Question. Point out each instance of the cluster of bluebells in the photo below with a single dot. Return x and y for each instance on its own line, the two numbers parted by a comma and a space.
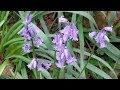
63, 55
101, 37
36, 63
29, 33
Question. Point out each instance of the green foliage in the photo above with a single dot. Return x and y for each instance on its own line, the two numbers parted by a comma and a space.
99, 66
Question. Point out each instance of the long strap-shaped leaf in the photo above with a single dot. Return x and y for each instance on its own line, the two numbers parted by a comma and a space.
97, 58
81, 41
2, 67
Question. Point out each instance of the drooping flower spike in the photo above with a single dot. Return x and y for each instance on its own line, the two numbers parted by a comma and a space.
63, 55
37, 63
70, 31
29, 33
101, 37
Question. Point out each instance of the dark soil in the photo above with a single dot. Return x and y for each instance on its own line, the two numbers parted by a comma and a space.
49, 18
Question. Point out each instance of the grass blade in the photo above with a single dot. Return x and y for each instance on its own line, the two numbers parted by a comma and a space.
99, 59
81, 41
46, 74
2, 67
98, 71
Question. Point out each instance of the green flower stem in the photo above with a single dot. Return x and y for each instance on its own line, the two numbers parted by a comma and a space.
116, 63
99, 65
54, 58
33, 47
34, 54
88, 59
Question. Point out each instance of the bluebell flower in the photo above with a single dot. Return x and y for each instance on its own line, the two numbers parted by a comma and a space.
39, 66
108, 28
71, 60
66, 30
63, 20
38, 41
32, 64
47, 65
64, 55
37, 63
21, 32
68, 57
73, 32
27, 48
59, 48
101, 37
30, 33
60, 55
70, 31
92, 34
24, 32
60, 63
58, 39
29, 19
66, 33
102, 44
